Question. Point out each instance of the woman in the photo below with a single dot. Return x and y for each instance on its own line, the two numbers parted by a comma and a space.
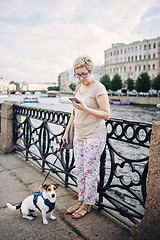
90, 133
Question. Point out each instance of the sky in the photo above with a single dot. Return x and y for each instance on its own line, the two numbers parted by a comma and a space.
39, 39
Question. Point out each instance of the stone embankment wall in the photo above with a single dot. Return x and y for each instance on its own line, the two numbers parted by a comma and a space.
139, 100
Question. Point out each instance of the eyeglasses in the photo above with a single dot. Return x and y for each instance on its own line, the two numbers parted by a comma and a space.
83, 75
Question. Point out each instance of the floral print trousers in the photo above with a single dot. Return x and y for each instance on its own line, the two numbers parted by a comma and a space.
87, 153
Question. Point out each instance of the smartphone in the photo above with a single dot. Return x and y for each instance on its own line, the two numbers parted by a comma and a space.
74, 99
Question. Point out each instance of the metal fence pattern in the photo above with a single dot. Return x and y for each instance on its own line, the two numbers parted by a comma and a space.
123, 171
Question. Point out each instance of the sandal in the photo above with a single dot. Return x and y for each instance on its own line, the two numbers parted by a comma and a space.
74, 208
82, 211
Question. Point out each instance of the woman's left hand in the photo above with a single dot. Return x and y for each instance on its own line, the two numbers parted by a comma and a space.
80, 106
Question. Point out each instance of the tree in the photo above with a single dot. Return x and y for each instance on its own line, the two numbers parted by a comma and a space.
105, 80
73, 86
116, 83
143, 82
15, 83
156, 83
130, 84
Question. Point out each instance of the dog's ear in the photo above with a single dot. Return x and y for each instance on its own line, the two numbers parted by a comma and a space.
45, 186
56, 186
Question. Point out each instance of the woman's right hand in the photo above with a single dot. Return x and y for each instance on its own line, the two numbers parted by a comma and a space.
65, 137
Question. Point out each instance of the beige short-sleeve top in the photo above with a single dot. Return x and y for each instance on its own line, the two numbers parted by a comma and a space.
87, 125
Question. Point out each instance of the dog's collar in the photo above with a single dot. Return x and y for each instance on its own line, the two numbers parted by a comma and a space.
46, 201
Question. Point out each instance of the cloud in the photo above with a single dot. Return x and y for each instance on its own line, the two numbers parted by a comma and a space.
39, 39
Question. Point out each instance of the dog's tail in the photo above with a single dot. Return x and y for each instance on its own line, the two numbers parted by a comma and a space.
13, 208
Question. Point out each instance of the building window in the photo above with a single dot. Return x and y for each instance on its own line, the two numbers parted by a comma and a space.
154, 45
124, 69
132, 58
136, 48
140, 57
139, 68
111, 53
135, 68
132, 49
144, 57
140, 47
144, 67
135, 58
125, 50
148, 67
149, 56
145, 47
121, 51
114, 52
110, 70
128, 59
149, 46
117, 52
128, 49
153, 66
130, 68
154, 55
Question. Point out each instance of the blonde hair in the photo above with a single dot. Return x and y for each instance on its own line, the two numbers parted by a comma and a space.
84, 61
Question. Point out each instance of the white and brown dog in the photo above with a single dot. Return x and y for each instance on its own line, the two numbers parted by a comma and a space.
39, 201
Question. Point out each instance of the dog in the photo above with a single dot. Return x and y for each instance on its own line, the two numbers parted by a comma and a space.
43, 202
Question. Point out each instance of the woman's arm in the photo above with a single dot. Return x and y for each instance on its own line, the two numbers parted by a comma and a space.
65, 136
104, 107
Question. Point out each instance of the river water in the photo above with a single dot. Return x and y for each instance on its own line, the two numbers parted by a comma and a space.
138, 113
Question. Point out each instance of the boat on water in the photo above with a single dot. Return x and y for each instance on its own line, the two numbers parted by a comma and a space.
119, 102
30, 100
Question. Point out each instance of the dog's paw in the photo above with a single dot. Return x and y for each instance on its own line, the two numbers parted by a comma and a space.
28, 217
52, 217
45, 221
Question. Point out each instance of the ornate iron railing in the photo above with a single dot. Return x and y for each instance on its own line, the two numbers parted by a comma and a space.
123, 167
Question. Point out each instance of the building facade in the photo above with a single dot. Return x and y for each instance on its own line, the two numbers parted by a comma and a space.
130, 60
36, 86
6, 87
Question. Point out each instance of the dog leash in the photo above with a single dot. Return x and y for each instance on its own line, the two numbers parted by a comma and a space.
44, 180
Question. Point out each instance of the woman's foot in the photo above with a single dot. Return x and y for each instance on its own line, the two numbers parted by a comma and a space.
74, 208
82, 211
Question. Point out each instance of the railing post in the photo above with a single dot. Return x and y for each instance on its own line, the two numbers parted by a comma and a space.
6, 137
67, 165
149, 227
102, 175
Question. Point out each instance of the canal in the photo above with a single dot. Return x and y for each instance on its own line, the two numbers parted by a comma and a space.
139, 113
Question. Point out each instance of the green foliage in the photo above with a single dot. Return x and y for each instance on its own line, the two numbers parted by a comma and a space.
16, 83
156, 83
53, 88
143, 82
73, 86
105, 80
116, 83
130, 84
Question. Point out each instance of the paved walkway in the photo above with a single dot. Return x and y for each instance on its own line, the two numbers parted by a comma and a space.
18, 179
